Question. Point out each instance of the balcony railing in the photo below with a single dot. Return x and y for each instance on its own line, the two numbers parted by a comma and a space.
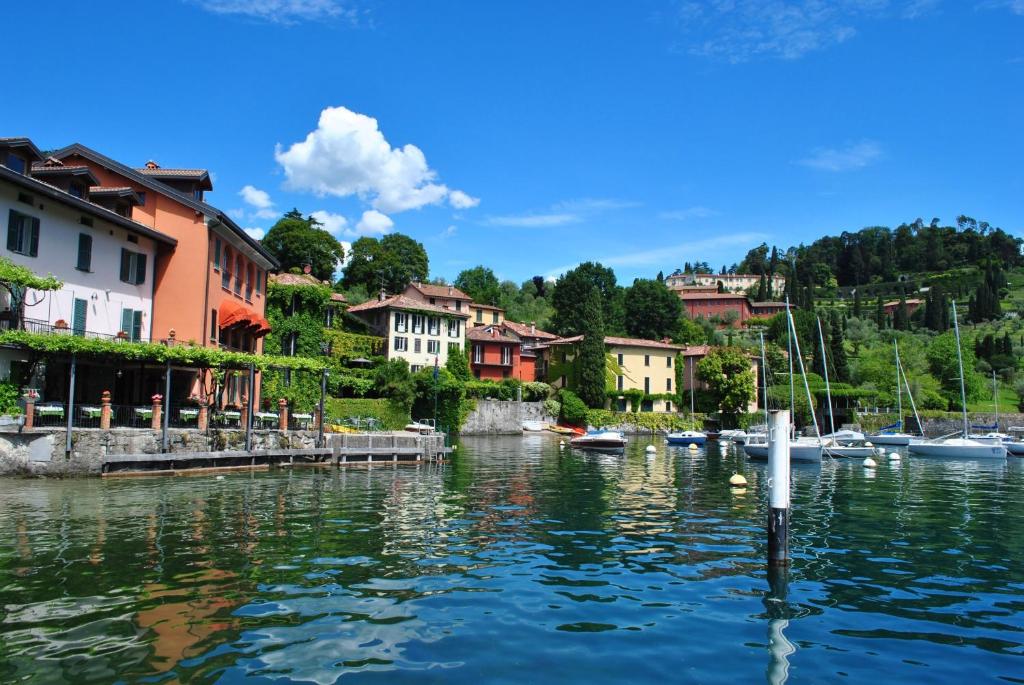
39, 326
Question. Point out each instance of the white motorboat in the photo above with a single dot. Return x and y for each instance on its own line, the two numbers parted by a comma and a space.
990, 438
851, 451
895, 439
844, 437
733, 434
600, 441
534, 426
798, 451
1014, 447
962, 447
421, 426
687, 438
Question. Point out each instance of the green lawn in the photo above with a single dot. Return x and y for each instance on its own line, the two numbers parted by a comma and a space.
1007, 402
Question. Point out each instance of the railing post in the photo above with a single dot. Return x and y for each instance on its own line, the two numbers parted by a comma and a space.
282, 414
203, 417
247, 411
71, 407
778, 488
167, 413
30, 412
105, 410
157, 419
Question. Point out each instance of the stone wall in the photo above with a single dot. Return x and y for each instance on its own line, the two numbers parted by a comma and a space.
500, 417
952, 423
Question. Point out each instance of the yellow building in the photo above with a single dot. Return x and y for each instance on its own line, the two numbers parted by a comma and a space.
633, 364
485, 315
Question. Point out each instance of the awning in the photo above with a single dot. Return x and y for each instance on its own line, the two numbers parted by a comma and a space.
234, 314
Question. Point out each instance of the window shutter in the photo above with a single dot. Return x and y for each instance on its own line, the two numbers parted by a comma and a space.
84, 251
137, 325
125, 265
126, 321
13, 229
78, 318
140, 269
33, 246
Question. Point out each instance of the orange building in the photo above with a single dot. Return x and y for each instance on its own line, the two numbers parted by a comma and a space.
210, 290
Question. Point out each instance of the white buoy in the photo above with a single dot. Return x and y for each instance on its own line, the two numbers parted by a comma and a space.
894, 456
737, 481
651, 449
869, 463
692, 447
880, 450
220, 478
561, 444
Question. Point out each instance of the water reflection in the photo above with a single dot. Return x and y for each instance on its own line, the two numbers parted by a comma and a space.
517, 561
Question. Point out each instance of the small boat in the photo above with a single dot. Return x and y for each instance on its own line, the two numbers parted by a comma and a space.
798, 451
990, 438
957, 448
686, 438
1014, 447
844, 437
421, 426
895, 439
733, 434
534, 426
852, 451
561, 430
600, 441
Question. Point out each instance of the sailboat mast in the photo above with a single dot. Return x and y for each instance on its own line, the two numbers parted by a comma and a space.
995, 394
900, 371
789, 345
764, 380
899, 388
692, 389
960, 362
803, 372
828, 390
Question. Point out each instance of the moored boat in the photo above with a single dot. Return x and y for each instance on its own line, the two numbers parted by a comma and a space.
895, 439
798, 452
600, 440
534, 426
686, 438
956, 448
421, 426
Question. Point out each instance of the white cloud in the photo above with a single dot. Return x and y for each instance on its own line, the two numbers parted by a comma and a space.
688, 213
265, 214
347, 246
532, 220
449, 232
256, 233
373, 222
283, 11
335, 224
255, 197
348, 155
853, 156
461, 200
592, 204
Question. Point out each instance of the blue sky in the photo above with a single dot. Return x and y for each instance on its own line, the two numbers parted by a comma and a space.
532, 136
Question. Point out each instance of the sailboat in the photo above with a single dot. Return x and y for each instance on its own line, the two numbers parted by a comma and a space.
802, 450
832, 443
993, 436
962, 447
898, 438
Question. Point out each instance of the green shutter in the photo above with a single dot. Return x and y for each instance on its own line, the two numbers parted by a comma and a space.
33, 244
13, 231
140, 269
84, 251
126, 321
126, 265
78, 319
137, 325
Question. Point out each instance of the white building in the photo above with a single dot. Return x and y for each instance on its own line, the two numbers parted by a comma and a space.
105, 260
418, 332
733, 283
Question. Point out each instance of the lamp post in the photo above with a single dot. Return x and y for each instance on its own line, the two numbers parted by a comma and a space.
437, 372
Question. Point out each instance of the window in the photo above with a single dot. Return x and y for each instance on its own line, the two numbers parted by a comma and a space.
213, 325
647, 360
417, 345
259, 281
400, 322
478, 354
124, 210
416, 367
620, 359
225, 276
668, 362
78, 317
401, 344
619, 383
76, 189
453, 348
453, 328
133, 267
238, 274
417, 323
85, 220
647, 386
668, 406
142, 197
23, 234
433, 347
328, 317
289, 344
248, 283
216, 254
434, 325
15, 163
668, 385
198, 194
131, 323
84, 252
458, 305
479, 316
433, 300
26, 198
494, 317
506, 355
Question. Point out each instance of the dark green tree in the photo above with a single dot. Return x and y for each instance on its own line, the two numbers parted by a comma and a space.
652, 311
296, 240
458, 365
857, 312
880, 313
837, 347
591, 360
570, 291
728, 373
901, 319
481, 284
392, 262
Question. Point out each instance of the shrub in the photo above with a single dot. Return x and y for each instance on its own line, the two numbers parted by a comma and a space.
391, 415
574, 412
553, 407
9, 396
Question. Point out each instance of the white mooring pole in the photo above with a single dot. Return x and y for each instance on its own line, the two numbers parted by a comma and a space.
778, 488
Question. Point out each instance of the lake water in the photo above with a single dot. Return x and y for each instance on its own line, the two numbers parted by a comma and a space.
516, 562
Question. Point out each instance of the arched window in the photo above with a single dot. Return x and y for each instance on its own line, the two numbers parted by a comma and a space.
238, 274
225, 272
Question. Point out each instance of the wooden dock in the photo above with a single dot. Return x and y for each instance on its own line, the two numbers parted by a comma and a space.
342, 449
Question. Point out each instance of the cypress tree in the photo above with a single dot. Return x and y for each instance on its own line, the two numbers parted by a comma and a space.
761, 292
856, 303
591, 360
837, 346
880, 313
901, 320
817, 354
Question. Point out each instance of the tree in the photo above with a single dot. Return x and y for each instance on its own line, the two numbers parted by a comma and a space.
480, 283
591, 383
394, 381
860, 332
901, 319
689, 332
540, 285
837, 347
458, 365
652, 311
573, 287
942, 361
857, 303
880, 313
728, 375
392, 262
295, 241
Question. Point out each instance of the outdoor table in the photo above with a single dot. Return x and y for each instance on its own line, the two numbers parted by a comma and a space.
303, 419
226, 416
264, 417
188, 414
144, 412
90, 412
50, 410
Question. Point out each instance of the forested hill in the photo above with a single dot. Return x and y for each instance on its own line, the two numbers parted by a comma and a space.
880, 254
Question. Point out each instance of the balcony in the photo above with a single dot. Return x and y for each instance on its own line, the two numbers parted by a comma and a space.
38, 326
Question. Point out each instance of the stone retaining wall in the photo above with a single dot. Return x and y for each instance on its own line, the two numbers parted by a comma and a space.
500, 417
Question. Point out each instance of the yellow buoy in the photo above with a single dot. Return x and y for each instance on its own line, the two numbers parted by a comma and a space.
692, 447
737, 481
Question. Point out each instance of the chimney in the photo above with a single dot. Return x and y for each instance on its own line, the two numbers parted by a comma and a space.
307, 268
382, 296
449, 290
533, 327
152, 165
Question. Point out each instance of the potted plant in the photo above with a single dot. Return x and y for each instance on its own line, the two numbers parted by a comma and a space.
121, 336
61, 325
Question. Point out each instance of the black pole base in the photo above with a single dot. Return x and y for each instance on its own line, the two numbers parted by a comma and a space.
778, 537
